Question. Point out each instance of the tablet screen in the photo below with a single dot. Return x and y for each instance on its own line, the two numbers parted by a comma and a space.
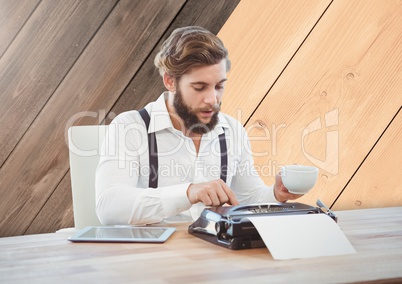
123, 234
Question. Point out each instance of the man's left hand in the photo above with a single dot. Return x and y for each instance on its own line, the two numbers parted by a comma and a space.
281, 192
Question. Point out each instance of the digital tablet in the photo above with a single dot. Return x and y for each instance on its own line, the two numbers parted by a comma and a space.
126, 234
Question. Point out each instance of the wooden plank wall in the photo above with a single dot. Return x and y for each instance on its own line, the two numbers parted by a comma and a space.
320, 83
62, 58
314, 82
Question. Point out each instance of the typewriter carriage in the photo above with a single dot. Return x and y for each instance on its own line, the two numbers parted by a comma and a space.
229, 227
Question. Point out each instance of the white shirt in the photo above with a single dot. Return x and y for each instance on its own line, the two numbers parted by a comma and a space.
122, 192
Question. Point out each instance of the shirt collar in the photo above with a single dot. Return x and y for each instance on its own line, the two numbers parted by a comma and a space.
159, 114
160, 118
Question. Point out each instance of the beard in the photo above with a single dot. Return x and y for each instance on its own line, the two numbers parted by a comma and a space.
189, 116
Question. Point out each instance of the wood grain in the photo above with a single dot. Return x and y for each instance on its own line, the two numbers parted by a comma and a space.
376, 234
334, 66
39, 58
96, 79
144, 87
57, 212
13, 15
262, 37
377, 183
335, 98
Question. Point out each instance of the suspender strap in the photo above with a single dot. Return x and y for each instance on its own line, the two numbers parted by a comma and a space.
224, 156
152, 150
153, 153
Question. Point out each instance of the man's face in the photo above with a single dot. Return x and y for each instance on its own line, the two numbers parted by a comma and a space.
198, 97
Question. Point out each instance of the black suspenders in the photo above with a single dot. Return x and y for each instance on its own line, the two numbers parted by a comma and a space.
153, 153
224, 156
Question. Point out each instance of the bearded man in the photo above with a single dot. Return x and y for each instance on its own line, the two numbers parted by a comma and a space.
179, 153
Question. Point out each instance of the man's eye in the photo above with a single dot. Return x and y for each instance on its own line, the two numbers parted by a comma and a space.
219, 87
199, 89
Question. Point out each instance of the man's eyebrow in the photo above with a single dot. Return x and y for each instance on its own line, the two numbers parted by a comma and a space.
205, 83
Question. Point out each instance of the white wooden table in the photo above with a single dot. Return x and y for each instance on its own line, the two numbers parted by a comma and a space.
376, 234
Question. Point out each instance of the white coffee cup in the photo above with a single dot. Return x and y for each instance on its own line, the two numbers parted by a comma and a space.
299, 179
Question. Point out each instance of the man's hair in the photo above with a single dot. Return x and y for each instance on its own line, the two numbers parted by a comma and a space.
187, 48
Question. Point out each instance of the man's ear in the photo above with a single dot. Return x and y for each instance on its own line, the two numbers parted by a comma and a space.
169, 82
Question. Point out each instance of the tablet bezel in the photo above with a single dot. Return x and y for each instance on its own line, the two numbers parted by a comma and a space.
78, 237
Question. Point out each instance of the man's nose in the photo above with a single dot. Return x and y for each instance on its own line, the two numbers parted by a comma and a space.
211, 97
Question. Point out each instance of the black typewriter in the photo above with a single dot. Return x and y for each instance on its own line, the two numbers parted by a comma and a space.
229, 227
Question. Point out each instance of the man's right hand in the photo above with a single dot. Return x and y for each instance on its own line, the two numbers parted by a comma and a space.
211, 193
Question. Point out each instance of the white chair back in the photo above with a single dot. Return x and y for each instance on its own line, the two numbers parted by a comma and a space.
84, 146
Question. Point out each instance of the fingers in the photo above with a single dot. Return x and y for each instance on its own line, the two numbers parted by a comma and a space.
282, 194
232, 200
213, 193
291, 196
